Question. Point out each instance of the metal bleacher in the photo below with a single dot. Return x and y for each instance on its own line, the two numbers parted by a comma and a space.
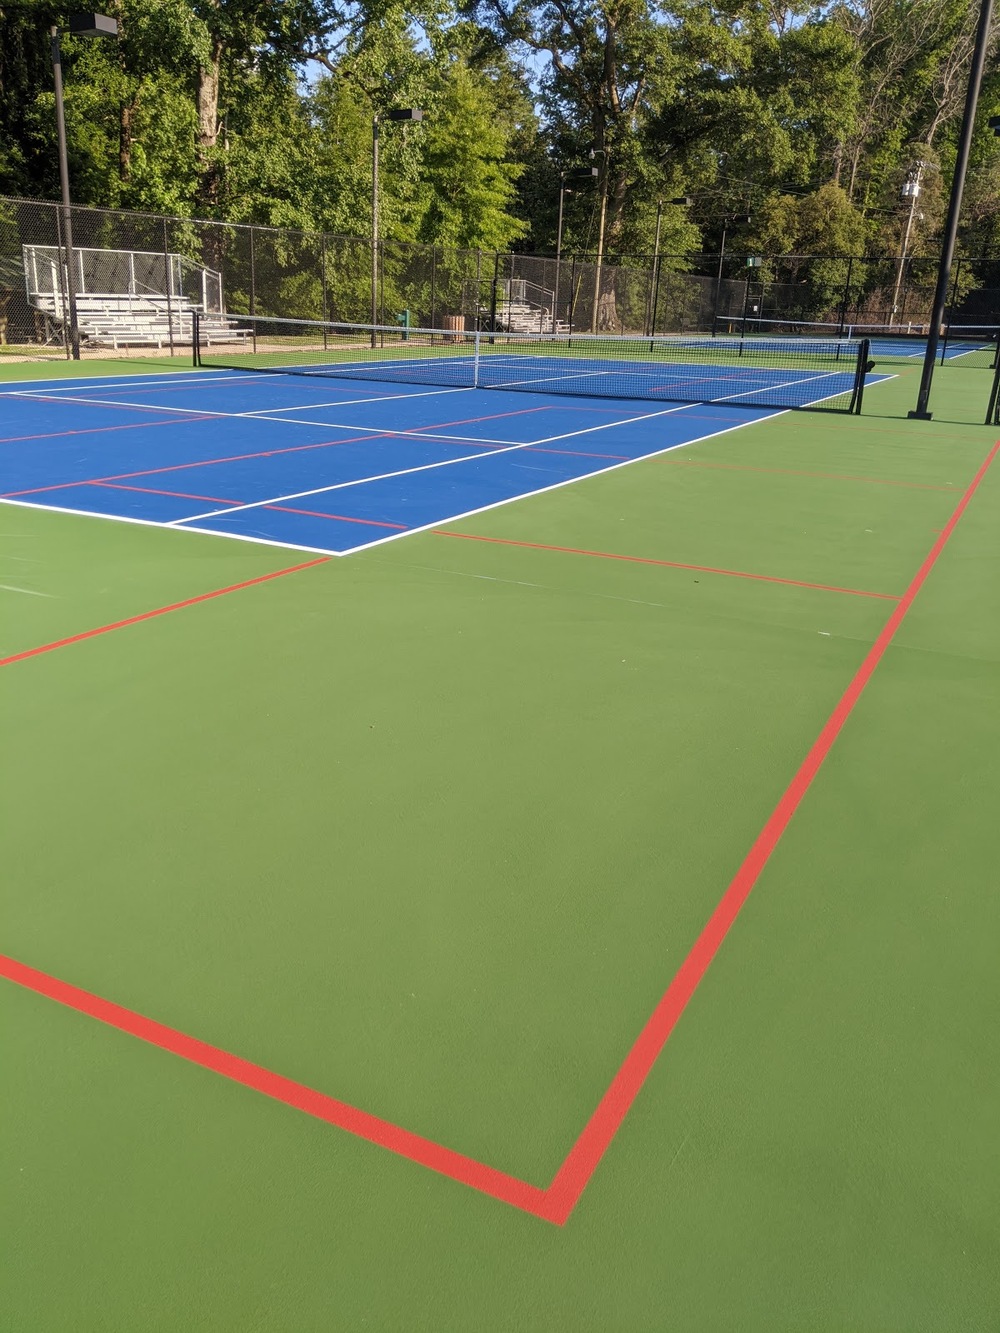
129, 298
520, 306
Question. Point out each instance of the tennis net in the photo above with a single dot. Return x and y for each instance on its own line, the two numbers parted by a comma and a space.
763, 372
973, 345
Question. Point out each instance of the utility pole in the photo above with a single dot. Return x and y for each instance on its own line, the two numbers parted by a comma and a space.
80, 25
911, 191
921, 411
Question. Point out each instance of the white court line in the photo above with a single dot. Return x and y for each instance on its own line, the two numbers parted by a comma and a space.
557, 485
351, 402
196, 412
465, 458
28, 592
386, 476
163, 527
61, 385
426, 527
598, 472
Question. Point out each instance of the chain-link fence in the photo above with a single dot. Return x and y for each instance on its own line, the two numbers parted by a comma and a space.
135, 280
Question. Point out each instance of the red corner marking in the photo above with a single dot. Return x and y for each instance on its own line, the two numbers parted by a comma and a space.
386, 1135
556, 1203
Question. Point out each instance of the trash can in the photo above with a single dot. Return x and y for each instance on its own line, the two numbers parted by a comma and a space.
455, 325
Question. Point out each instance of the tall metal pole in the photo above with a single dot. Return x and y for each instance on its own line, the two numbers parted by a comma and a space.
654, 277
374, 302
718, 276
600, 245
559, 232
954, 209
74, 327
906, 241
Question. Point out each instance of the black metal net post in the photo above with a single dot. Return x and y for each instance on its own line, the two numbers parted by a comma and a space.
993, 410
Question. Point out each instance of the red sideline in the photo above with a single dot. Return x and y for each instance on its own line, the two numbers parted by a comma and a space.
160, 611
417, 1149
556, 1203
590, 1147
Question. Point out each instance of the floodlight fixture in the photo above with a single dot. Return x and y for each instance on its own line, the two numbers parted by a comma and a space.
93, 25
80, 25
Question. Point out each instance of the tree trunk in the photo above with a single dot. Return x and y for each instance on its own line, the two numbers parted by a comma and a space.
207, 98
125, 140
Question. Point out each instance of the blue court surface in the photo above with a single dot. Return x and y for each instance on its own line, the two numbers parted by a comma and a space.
327, 465
915, 348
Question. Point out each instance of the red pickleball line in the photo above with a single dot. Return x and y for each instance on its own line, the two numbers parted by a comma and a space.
215, 499
796, 472
556, 1203
318, 1104
101, 430
158, 611
666, 564
590, 1147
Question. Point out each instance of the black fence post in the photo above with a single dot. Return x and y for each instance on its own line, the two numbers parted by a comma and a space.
59, 297
847, 297
949, 311
657, 266
253, 275
572, 293
168, 274
325, 304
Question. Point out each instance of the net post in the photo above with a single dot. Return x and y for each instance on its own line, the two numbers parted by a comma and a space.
863, 366
475, 359
195, 337
991, 411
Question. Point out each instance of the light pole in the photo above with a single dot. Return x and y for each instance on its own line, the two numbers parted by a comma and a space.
727, 218
921, 410
584, 174
400, 114
911, 191
603, 187
81, 25
654, 288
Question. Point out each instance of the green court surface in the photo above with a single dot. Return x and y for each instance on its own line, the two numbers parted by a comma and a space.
431, 829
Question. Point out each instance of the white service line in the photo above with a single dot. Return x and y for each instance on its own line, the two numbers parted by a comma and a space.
450, 462
386, 476
28, 592
557, 485
352, 402
195, 412
142, 407
155, 523
124, 382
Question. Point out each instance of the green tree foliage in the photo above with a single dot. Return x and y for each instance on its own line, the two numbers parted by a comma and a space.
809, 116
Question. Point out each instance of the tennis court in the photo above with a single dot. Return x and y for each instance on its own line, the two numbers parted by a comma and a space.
358, 460
576, 909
